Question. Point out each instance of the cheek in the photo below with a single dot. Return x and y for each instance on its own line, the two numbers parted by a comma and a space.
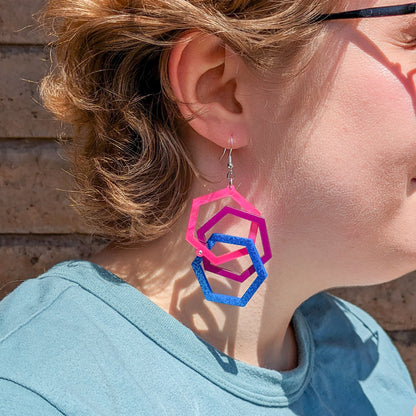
350, 192
362, 148
342, 196
342, 185
376, 95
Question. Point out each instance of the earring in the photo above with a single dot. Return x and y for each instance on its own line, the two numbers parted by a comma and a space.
206, 259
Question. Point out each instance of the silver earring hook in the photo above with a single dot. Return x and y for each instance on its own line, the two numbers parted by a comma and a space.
230, 166
230, 174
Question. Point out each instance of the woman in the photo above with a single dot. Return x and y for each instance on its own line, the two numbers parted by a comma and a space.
316, 112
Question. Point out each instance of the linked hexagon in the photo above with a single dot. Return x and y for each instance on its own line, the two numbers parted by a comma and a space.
256, 223
200, 246
255, 258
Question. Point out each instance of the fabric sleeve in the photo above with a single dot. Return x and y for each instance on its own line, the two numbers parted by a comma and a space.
17, 400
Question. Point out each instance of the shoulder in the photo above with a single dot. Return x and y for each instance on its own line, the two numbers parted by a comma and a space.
63, 298
58, 336
47, 317
30, 299
32, 322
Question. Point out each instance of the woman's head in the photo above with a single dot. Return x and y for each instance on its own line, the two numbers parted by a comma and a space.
157, 88
329, 157
111, 82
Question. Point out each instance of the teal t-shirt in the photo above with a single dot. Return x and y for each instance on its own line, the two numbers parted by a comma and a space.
79, 341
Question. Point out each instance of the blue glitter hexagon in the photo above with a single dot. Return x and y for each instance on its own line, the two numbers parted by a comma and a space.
255, 258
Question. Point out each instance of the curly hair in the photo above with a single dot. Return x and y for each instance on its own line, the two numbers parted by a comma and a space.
110, 82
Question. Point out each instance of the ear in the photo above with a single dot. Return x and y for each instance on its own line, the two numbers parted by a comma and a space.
203, 74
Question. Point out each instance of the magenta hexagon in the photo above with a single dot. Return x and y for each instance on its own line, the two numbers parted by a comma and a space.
256, 222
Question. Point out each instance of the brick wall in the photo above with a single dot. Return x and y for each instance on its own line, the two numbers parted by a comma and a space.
38, 227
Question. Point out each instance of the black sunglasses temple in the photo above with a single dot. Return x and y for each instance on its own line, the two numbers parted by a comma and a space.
371, 12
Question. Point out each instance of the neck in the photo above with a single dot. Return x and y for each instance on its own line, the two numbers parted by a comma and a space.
260, 333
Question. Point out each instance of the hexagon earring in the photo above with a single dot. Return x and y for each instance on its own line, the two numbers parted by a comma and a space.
203, 245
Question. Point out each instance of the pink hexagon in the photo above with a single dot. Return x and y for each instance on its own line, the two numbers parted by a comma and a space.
201, 248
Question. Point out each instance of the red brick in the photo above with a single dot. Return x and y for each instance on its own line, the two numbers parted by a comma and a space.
32, 184
17, 24
21, 114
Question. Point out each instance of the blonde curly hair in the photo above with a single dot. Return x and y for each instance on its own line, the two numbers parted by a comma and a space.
110, 81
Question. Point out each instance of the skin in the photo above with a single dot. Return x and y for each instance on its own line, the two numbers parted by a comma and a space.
330, 162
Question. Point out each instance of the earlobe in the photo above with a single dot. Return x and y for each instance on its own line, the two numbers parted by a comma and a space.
203, 77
